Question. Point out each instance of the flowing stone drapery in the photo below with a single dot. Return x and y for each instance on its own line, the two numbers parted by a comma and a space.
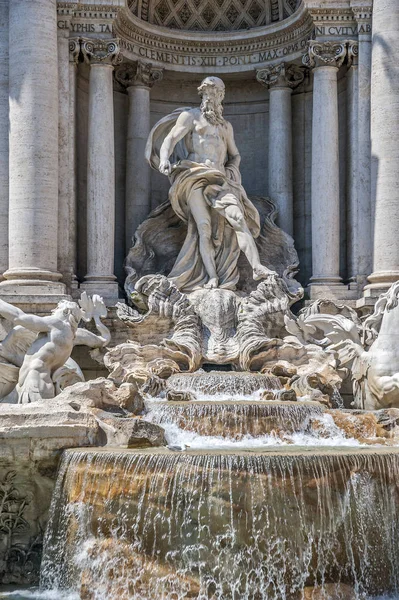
33, 121
102, 56
281, 80
4, 187
138, 78
68, 52
325, 58
385, 143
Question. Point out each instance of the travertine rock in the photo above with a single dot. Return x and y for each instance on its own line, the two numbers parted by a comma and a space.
131, 432
180, 396
104, 394
330, 591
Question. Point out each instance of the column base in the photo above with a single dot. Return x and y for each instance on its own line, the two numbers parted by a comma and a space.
331, 290
106, 288
381, 281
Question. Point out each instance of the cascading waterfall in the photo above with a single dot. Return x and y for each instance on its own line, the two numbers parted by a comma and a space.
234, 526
228, 383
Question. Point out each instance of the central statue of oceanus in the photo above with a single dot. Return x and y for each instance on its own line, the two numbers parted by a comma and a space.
195, 147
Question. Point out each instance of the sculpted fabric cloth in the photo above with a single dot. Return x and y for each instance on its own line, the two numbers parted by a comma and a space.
219, 190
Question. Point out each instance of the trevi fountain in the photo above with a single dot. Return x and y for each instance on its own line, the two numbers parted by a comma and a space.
187, 412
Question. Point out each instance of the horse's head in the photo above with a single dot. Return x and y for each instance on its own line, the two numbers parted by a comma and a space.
386, 310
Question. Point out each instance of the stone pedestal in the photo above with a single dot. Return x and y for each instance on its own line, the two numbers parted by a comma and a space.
33, 125
326, 58
100, 277
138, 78
281, 80
385, 144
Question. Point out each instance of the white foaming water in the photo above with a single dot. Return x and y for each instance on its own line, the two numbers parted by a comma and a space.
35, 594
327, 434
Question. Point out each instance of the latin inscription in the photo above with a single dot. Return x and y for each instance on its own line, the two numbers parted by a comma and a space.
214, 61
85, 27
341, 30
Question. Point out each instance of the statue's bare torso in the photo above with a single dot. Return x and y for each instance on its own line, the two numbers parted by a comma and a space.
208, 144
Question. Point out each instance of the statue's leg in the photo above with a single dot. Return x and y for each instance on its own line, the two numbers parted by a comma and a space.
245, 240
202, 217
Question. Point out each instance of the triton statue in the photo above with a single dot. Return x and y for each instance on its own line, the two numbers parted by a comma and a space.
35, 355
195, 147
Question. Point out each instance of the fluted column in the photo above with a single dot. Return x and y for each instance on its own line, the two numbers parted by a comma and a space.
352, 163
33, 121
385, 143
100, 278
281, 80
68, 52
325, 58
74, 51
138, 78
4, 187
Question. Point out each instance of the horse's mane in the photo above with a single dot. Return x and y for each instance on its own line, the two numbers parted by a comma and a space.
385, 303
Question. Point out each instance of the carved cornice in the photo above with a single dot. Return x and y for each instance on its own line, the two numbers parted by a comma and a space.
100, 51
283, 75
139, 74
325, 54
74, 50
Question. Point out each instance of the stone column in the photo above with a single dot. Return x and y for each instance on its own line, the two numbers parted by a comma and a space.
352, 177
385, 143
74, 51
325, 58
4, 187
138, 78
33, 121
68, 52
100, 278
281, 80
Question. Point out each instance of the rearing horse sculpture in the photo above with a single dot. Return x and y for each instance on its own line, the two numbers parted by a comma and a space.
368, 350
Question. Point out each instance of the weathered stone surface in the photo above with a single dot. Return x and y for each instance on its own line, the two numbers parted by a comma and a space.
287, 395
330, 591
180, 396
132, 432
104, 394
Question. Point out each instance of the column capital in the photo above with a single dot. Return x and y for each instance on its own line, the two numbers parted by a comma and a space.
283, 75
98, 51
138, 74
324, 54
74, 50
353, 53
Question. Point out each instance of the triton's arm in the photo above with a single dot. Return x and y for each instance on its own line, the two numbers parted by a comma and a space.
234, 157
84, 337
183, 127
18, 317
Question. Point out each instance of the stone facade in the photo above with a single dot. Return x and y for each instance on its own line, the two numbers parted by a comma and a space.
310, 90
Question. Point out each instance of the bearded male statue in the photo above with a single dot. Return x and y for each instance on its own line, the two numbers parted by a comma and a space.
195, 147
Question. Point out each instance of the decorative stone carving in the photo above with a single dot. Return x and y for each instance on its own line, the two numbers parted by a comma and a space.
138, 74
282, 75
353, 52
369, 351
325, 54
36, 352
101, 51
74, 50
211, 15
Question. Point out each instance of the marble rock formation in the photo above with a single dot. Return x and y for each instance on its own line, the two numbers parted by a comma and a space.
36, 354
368, 351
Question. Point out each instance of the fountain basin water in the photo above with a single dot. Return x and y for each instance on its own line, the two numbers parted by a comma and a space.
224, 383
234, 526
